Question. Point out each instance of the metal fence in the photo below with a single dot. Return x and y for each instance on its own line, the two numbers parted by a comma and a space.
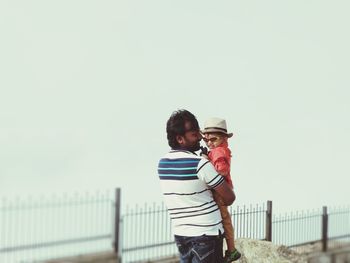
147, 234
315, 230
338, 232
146, 230
297, 229
36, 229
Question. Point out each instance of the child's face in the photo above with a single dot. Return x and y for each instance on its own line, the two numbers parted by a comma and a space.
213, 140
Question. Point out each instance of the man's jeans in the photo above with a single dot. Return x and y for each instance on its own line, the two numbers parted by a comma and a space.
202, 249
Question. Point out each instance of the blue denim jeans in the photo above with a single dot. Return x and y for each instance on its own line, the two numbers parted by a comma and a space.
202, 249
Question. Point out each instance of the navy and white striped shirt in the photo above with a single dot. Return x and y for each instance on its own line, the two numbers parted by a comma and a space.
186, 180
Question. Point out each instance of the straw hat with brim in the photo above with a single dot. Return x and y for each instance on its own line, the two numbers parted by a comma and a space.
216, 125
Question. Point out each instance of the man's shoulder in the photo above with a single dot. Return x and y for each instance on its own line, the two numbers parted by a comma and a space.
178, 154
184, 157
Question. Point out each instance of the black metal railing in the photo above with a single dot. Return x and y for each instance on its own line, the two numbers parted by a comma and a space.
297, 228
338, 234
312, 231
147, 235
36, 229
42, 228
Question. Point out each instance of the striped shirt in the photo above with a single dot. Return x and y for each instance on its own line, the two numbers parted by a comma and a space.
186, 180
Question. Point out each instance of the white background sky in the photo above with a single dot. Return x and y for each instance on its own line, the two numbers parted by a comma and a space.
86, 88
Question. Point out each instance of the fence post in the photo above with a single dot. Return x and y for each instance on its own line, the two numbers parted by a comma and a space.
268, 228
324, 229
116, 245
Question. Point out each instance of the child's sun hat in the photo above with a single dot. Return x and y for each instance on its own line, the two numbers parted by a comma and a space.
216, 125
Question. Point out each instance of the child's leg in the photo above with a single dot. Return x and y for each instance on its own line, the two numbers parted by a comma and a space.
226, 222
232, 254
229, 232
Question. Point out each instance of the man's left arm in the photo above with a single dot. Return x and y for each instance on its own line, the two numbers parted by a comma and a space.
215, 181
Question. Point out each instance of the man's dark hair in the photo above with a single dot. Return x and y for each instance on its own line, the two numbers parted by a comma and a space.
176, 126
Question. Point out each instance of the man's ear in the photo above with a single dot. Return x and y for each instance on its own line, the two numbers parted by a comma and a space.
179, 139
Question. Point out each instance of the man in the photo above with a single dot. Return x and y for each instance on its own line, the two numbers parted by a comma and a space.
187, 181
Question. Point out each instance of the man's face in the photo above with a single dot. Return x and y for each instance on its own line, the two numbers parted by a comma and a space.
190, 141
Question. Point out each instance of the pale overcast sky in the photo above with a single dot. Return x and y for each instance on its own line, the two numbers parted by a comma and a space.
87, 87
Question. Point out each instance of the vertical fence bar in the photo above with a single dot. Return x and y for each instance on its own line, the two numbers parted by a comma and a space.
324, 229
268, 229
244, 221
116, 245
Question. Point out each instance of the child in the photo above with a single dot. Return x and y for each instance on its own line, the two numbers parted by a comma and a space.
215, 136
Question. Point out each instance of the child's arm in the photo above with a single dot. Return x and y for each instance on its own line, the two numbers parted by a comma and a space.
218, 158
222, 166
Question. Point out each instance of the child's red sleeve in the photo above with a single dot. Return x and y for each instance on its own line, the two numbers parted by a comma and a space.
222, 166
220, 162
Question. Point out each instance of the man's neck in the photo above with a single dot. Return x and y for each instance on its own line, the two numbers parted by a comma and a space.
182, 150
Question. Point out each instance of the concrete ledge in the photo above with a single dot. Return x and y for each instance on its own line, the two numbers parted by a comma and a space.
171, 259
103, 257
333, 256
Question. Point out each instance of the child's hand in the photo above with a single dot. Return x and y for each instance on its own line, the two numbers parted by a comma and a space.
204, 152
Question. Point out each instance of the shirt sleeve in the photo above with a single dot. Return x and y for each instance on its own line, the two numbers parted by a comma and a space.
222, 166
219, 159
208, 174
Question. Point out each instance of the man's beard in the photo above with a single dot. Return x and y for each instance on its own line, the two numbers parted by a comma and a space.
195, 147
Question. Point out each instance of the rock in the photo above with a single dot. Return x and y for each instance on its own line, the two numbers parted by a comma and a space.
257, 251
